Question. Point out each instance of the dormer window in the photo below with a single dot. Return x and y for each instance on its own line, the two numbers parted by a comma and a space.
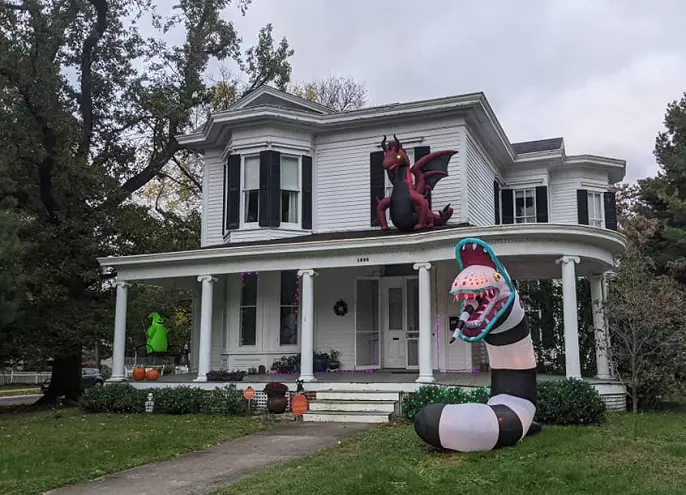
251, 189
268, 189
290, 189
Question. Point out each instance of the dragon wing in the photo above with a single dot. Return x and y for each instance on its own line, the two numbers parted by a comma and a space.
432, 167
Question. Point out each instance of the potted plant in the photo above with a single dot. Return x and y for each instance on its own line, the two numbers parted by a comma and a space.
334, 363
321, 362
276, 397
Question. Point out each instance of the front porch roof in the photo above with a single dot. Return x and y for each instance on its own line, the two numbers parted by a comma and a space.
521, 244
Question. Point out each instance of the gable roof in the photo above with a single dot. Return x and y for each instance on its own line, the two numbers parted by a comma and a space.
266, 96
538, 145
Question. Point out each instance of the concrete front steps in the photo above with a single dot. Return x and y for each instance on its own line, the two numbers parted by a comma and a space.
359, 406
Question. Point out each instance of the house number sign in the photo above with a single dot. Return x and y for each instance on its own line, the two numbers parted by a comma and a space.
363, 260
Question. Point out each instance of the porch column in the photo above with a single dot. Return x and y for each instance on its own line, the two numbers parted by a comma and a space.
205, 347
307, 322
426, 370
569, 310
602, 342
606, 326
119, 344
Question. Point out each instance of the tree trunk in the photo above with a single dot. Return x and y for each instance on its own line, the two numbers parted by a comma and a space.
65, 379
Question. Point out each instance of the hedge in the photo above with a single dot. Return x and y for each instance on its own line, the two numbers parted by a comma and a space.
563, 402
123, 398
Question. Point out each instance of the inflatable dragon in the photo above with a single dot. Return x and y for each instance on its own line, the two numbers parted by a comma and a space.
490, 310
409, 203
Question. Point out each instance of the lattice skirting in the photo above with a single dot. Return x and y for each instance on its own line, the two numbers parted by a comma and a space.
260, 400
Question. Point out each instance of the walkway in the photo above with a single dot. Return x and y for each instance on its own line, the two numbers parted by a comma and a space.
204, 471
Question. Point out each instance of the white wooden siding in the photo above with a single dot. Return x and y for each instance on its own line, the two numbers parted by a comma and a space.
563, 187
213, 191
342, 171
481, 172
455, 356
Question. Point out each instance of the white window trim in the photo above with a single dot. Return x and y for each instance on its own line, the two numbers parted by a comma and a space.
514, 203
242, 223
291, 225
600, 192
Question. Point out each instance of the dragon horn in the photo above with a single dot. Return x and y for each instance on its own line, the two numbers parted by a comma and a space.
383, 143
396, 140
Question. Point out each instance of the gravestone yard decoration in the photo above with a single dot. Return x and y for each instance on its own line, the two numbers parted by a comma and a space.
412, 185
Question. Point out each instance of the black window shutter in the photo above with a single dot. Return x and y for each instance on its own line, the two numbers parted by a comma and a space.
377, 185
541, 204
307, 192
610, 210
496, 201
275, 190
265, 171
508, 206
232, 194
419, 152
582, 206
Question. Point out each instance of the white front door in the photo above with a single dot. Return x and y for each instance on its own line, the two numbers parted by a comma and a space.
394, 317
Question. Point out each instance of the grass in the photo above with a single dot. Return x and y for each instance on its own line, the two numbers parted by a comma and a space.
605, 459
44, 450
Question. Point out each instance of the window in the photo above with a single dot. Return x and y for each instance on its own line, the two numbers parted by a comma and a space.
290, 285
525, 206
248, 325
251, 189
595, 209
389, 186
290, 189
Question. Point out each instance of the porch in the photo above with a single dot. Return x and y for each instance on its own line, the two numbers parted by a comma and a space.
408, 272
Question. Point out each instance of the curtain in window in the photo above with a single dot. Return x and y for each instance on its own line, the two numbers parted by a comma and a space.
290, 187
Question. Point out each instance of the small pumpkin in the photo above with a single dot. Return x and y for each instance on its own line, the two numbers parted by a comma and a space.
138, 373
152, 374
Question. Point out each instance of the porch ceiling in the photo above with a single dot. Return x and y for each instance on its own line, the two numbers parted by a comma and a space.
524, 249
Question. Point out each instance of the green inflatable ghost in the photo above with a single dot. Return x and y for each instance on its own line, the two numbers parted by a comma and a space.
157, 335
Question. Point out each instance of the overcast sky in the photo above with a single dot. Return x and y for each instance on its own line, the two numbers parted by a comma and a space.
597, 72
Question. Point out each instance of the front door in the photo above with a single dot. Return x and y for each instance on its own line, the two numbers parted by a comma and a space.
399, 320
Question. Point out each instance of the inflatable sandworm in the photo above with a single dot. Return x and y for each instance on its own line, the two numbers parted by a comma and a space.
490, 310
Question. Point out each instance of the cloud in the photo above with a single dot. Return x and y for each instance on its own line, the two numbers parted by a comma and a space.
598, 72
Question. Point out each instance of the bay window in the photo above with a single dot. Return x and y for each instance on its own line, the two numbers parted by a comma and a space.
251, 189
290, 189
525, 205
595, 209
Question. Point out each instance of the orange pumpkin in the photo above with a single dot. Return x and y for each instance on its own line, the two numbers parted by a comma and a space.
152, 375
138, 373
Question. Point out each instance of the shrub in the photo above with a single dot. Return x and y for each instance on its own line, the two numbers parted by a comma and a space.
123, 398
225, 376
117, 398
569, 402
433, 394
563, 402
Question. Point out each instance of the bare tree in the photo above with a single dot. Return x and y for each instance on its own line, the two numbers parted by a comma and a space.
336, 92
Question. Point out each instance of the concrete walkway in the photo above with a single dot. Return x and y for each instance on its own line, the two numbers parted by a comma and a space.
204, 471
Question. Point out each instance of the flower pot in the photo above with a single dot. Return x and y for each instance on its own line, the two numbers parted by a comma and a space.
320, 364
276, 404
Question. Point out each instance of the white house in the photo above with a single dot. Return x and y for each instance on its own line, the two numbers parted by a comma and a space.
289, 230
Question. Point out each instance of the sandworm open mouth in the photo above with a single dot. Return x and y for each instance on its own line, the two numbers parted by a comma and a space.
487, 303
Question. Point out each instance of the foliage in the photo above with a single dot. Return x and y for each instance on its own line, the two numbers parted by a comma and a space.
275, 388
91, 111
433, 394
568, 401
123, 398
647, 327
336, 92
83, 446
663, 198
545, 314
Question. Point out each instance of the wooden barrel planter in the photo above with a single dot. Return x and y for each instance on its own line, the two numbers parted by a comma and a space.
277, 402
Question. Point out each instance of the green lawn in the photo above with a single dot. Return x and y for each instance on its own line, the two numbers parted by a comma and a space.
569, 460
40, 451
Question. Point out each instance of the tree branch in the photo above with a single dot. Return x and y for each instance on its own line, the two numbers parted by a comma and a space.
87, 73
151, 170
185, 172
